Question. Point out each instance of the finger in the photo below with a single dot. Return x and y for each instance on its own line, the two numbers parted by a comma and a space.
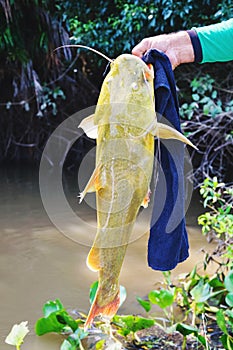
141, 48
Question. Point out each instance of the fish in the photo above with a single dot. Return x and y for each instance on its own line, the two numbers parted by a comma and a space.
125, 126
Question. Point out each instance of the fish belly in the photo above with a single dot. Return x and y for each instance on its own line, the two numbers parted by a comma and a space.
123, 184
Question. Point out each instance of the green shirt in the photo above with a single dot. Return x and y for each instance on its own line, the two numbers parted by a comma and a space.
216, 41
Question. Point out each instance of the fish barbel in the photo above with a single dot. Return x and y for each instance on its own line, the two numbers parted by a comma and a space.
124, 125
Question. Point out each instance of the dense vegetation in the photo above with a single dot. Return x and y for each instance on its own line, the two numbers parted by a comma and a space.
40, 88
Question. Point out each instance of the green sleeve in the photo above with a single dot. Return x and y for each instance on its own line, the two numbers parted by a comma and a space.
216, 41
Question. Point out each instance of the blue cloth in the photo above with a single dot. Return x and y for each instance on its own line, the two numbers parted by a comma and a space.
168, 241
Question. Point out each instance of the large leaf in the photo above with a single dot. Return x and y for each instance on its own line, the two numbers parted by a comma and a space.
162, 297
56, 319
201, 292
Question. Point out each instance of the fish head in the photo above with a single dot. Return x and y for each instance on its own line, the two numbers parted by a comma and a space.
130, 76
128, 90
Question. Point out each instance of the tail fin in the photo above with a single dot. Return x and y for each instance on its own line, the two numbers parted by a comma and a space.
108, 310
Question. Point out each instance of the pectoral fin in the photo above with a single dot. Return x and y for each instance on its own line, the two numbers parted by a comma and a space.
88, 126
93, 184
93, 259
164, 131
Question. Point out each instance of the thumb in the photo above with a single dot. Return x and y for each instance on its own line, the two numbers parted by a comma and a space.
141, 48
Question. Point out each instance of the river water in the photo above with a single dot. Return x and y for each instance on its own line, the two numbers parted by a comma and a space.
39, 263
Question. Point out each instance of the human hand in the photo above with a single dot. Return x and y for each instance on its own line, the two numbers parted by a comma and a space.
177, 46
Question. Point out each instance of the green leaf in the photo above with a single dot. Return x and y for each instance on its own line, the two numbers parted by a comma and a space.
220, 318
229, 299
144, 303
193, 272
201, 292
186, 329
227, 342
131, 323
215, 283
56, 320
17, 334
195, 97
93, 290
202, 340
52, 306
162, 297
228, 281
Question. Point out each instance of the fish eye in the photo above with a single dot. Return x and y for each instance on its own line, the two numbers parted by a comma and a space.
134, 86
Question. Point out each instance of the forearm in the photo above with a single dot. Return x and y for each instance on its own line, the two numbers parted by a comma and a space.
215, 40
213, 43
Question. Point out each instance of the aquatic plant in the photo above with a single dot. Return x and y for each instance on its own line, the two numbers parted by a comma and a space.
200, 299
217, 222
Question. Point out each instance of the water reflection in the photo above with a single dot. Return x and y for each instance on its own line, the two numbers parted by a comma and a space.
38, 263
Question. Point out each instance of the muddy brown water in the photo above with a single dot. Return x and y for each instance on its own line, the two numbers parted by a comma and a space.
38, 263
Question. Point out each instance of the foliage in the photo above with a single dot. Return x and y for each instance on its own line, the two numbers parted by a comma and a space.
34, 81
218, 221
225, 323
48, 100
31, 71
117, 26
199, 296
185, 330
205, 99
225, 317
209, 125
131, 324
56, 319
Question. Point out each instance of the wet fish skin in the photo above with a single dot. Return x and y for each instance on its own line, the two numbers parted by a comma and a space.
124, 124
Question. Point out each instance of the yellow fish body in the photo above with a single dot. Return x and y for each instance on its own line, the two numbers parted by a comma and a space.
124, 124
